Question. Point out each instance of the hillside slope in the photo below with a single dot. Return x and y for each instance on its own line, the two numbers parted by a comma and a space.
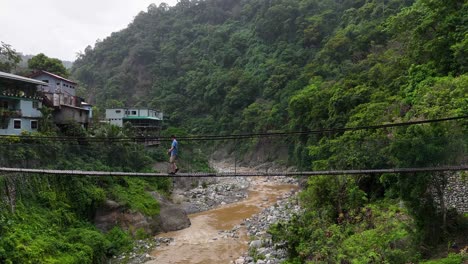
232, 65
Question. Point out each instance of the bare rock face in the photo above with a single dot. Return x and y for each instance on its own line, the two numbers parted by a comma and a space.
170, 218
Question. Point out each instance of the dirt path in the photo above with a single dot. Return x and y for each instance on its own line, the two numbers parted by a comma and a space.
209, 240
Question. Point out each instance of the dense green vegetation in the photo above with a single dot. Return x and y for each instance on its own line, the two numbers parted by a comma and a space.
234, 65
42, 62
8, 57
48, 219
375, 233
256, 66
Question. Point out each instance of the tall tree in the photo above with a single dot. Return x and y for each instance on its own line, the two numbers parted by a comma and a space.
42, 62
9, 58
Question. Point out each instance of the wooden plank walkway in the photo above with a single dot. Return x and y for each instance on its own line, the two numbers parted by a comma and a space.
230, 174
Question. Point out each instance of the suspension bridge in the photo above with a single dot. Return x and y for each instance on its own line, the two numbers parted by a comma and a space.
232, 174
235, 173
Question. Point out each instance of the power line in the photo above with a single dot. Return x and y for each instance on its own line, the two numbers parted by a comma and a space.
323, 131
232, 136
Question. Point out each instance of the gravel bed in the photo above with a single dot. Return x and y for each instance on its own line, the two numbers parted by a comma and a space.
208, 196
261, 248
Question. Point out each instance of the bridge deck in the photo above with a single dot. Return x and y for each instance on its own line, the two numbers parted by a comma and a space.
231, 174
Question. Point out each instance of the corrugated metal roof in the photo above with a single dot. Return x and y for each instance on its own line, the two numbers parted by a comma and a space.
51, 74
20, 78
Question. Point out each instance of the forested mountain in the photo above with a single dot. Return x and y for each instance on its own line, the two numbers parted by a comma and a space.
254, 65
237, 66
232, 61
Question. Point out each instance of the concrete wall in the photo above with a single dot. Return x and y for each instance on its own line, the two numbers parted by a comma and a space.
116, 121
115, 116
30, 108
71, 114
56, 85
25, 126
115, 113
29, 113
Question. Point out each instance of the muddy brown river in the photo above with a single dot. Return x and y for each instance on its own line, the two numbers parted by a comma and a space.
202, 243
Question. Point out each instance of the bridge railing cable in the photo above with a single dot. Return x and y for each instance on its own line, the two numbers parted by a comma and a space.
232, 174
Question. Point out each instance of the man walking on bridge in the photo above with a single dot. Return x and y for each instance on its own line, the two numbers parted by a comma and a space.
173, 153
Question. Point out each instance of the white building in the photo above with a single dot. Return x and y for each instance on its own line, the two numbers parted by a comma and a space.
139, 118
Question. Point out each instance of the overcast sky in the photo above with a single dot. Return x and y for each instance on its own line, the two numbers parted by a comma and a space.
61, 28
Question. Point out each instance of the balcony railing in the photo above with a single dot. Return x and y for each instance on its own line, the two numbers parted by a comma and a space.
59, 99
20, 94
4, 113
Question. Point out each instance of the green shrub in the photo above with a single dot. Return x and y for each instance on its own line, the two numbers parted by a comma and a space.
118, 241
132, 192
450, 259
141, 234
376, 233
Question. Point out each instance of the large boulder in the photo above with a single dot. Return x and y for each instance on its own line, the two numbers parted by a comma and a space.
170, 218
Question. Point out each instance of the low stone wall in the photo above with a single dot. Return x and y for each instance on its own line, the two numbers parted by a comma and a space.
456, 192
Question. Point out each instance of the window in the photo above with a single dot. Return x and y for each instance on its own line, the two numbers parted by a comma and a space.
33, 124
58, 83
4, 104
35, 104
46, 81
17, 124
133, 112
127, 112
118, 111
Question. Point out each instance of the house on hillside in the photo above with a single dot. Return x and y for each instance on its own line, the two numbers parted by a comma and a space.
60, 94
147, 122
20, 102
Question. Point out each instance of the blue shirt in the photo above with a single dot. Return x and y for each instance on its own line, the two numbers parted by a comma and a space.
175, 146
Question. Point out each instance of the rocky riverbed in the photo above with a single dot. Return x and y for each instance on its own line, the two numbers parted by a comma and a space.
206, 196
264, 200
261, 247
